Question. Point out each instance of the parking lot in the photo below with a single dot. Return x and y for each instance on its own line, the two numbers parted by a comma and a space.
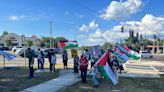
20, 61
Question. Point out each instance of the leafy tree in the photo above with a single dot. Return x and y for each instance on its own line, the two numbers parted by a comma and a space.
57, 39
8, 42
4, 33
29, 43
107, 45
45, 41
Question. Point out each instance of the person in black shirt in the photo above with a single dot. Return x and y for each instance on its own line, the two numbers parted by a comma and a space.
31, 63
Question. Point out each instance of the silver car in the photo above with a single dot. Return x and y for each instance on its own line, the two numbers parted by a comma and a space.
145, 54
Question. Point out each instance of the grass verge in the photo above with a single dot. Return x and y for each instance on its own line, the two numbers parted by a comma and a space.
16, 80
125, 85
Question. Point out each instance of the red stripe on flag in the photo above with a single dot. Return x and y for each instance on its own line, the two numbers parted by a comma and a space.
104, 59
126, 47
62, 44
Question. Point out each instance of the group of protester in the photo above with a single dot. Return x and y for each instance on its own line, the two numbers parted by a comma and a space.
79, 64
83, 62
41, 60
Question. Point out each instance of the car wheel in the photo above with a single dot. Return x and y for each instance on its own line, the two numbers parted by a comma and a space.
151, 57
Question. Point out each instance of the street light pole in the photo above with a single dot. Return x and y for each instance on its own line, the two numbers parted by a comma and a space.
163, 46
50, 34
23, 40
153, 45
157, 46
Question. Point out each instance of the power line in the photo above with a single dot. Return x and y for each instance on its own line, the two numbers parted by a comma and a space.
86, 7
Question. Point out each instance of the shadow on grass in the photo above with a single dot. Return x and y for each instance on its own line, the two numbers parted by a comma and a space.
125, 85
16, 79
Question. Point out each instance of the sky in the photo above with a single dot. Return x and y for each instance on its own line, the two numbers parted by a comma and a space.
90, 22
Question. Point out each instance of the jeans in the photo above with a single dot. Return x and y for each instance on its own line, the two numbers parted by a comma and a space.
76, 69
31, 69
84, 75
51, 67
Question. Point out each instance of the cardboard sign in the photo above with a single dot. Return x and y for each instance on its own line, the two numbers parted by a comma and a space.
74, 53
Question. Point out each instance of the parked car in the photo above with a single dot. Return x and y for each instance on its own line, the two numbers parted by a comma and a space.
4, 48
56, 51
146, 54
19, 51
45, 51
22, 53
15, 48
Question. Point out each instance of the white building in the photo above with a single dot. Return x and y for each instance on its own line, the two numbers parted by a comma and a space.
16, 40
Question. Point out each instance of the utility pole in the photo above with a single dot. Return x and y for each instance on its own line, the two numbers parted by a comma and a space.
24, 47
50, 34
163, 46
153, 46
157, 46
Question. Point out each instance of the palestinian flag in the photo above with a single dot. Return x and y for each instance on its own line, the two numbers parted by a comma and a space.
105, 68
121, 56
68, 44
132, 53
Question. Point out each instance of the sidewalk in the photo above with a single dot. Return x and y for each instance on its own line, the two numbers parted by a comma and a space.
66, 78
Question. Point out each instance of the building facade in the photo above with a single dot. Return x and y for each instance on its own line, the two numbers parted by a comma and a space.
15, 40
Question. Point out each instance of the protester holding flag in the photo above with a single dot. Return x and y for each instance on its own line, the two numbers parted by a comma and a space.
105, 69
65, 58
96, 76
115, 67
83, 67
31, 63
93, 60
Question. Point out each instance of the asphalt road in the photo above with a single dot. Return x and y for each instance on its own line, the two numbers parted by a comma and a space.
19, 61
156, 58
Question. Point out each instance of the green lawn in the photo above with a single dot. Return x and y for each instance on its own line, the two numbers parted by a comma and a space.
125, 85
16, 80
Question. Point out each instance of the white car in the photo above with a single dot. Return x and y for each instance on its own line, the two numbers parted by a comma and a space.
19, 51
15, 48
145, 54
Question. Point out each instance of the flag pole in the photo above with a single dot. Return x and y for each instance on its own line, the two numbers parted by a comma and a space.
50, 34
4, 61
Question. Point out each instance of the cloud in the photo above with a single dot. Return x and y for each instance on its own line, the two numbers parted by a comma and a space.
91, 26
14, 18
118, 10
147, 26
110, 35
84, 28
32, 17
